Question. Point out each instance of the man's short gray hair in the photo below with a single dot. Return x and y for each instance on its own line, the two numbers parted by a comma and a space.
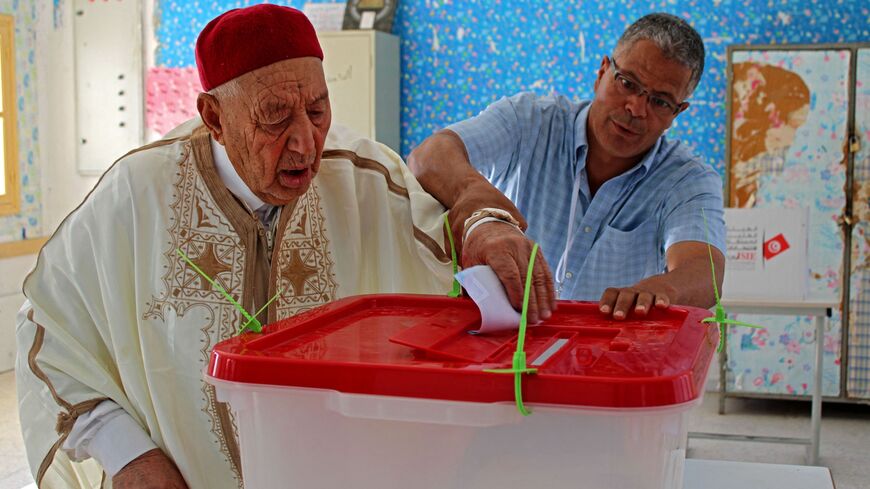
674, 36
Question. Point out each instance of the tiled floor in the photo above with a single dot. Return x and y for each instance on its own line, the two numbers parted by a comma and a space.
845, 439
845, 436
14, 473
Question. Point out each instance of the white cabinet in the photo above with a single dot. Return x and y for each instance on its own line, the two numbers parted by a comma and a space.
362, 72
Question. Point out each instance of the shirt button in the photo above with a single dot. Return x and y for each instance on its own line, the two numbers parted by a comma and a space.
587, 229
568, 274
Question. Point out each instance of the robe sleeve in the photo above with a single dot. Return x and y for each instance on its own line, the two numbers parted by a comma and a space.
427, 217
67, 350
403, 242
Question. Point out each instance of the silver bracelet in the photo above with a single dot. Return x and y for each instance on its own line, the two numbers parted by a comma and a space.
485, 220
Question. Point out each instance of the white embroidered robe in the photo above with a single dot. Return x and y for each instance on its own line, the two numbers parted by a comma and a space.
116, 314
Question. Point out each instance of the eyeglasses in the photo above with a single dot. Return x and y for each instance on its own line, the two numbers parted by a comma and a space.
661, 106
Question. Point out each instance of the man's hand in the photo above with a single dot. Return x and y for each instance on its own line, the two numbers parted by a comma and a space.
507, 251
640, 298
151, 470
689, 282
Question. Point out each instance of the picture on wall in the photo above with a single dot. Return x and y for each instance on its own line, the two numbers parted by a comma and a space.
787, 136
370, 14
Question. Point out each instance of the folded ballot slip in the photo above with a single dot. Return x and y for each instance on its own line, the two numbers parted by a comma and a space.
485, 289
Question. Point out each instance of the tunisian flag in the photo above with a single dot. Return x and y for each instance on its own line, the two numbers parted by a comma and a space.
775, 246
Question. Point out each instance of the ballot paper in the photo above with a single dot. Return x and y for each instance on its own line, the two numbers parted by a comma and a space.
485, 289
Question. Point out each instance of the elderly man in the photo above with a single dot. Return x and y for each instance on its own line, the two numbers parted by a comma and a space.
614, 203
266, 199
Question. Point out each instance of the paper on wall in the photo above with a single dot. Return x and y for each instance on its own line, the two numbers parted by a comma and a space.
325, 17
368, 20
766, 254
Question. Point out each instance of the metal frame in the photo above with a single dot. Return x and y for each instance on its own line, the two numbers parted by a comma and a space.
820, 311
846, 218
789, 397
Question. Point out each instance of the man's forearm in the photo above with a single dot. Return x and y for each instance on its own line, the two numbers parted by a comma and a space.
441, 166
691, 283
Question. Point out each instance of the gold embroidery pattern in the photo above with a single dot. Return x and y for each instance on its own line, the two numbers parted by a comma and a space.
200, 230
305, 267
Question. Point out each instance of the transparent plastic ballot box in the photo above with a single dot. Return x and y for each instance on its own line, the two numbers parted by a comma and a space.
395, 391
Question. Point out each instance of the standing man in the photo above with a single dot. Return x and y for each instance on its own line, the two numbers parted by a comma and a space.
615, 204
262, 193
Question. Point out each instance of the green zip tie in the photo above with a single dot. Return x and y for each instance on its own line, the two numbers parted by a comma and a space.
457, 288
257, 328
720, 316
253, 323
518, 365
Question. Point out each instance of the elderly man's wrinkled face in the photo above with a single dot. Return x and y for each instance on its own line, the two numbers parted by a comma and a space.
623, 119
273, 129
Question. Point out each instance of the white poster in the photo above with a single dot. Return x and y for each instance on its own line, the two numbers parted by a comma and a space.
325, 17
766, 254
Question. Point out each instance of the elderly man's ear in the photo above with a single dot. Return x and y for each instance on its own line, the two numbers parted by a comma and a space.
210, 110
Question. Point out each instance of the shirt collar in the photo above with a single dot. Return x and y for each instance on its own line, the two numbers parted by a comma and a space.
232, 180
650, 156
581, 143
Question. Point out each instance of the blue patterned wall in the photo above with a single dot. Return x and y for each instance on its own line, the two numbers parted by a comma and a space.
459, 56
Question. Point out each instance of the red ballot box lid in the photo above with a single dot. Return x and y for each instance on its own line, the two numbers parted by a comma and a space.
420, 346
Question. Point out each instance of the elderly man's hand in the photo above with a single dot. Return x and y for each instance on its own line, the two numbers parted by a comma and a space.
507, 251
151, 470
640, 298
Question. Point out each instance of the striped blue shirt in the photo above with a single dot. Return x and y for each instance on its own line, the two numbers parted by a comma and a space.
532, 148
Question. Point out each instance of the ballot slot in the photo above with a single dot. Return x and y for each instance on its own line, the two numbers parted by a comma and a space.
551, 350
542, 338
561, 352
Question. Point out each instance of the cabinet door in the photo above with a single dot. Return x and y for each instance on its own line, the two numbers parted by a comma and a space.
108, 64
347, 64
788, 129
858, 374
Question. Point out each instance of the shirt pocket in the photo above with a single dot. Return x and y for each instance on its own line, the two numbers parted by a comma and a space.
620, 258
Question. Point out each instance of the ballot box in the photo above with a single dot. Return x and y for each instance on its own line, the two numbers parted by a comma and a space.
393, 392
